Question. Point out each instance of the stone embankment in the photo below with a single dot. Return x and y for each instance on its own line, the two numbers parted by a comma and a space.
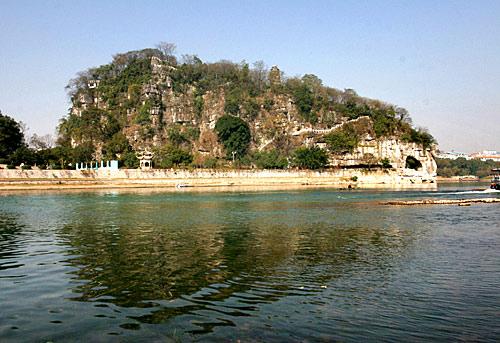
342, 178
459, 202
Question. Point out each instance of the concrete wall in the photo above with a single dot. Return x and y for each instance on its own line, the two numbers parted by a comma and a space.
207, 177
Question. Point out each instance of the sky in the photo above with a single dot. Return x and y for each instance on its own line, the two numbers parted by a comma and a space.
438, 59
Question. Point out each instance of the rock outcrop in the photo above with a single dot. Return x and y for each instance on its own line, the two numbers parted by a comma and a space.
154, 102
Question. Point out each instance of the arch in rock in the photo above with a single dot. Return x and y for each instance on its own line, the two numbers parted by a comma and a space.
413, 163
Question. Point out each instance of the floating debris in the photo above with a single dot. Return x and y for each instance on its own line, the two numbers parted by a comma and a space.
460, 202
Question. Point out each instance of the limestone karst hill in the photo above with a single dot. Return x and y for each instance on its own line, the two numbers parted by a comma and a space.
207, 114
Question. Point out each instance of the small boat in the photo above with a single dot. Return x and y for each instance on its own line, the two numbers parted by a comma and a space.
495, 181
181, 185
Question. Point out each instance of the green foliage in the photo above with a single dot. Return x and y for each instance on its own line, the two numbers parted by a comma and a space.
82, 153
304, 101
176, 137
192, 133
354, 178
144, 115
419, 136
342, 140
117, 77
210, 163
232, 102
384, 122
24, 155
268, 104
169, 156
118, 145
234, 134
310, 158
93, 125
245, 91
198, 106
352, 110
461, 166
251, 108
11, 136
270, 160
386, 163
130, 160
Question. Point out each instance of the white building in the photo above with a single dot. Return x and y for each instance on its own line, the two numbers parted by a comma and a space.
453, 155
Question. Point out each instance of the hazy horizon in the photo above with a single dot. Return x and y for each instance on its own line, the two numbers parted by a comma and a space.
437, 60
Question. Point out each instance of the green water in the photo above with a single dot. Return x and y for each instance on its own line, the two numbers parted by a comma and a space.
316, 265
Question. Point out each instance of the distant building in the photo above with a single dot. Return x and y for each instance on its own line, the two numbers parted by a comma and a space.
487, 155
453, 155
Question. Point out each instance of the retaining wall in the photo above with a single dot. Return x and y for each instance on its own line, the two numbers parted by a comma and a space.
207, 177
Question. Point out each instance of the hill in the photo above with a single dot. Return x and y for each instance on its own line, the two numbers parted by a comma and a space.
190, 112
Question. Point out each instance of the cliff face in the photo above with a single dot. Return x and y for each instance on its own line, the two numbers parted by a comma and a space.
143, 101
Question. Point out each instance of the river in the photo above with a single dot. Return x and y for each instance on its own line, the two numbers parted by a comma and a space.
296, 265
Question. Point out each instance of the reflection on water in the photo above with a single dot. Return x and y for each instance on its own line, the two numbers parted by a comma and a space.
287, 265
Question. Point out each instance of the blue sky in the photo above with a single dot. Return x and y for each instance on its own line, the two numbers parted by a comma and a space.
438, 59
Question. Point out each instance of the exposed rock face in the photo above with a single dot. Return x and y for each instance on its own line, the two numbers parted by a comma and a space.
150, 110
397, 154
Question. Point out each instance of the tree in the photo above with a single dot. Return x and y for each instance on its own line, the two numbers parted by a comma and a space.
270, 160
118, 145
342, 140
169, 156
234, 134
11, 136
310, 158
41, 142
304, 100
23, 154
168, 50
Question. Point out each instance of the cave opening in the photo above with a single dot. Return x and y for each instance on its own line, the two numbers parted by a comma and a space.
413, 163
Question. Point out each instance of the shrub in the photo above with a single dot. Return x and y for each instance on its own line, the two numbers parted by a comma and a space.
386, 163
130, 160
270, 160
310, 158
234, 134
419, 136
169, 156
354, 178
343, 140
210, 163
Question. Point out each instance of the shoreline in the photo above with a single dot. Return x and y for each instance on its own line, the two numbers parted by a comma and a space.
202, 179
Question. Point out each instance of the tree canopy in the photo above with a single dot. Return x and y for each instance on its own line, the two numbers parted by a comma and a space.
11, 136
234, 134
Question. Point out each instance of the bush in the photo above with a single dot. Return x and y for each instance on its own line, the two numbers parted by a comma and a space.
11, 166
419, 136
270, 160
234, 134
130, 160
169, 156
386, 163
343, 140
310, 158
354, 178
26, 167
210, 163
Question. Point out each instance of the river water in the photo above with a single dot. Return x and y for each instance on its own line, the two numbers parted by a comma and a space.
300, 265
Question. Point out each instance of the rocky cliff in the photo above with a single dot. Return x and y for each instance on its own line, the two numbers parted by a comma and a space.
148, 101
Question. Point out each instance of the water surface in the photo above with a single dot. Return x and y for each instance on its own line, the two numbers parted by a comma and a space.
256, 266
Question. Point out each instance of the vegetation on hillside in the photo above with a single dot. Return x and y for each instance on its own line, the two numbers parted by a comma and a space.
119, 108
